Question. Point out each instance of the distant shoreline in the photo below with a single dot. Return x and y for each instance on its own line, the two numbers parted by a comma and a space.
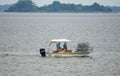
59, 13
57, 7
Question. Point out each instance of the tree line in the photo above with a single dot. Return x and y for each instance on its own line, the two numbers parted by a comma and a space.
56, 6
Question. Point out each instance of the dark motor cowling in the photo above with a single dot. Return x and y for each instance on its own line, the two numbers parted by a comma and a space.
42, 52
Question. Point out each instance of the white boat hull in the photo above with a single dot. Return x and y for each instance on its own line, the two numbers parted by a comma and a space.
66, 55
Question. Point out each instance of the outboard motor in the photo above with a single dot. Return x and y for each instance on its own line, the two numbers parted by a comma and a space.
42, 52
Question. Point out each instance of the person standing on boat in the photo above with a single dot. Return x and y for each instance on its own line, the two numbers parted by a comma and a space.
58, 47
65, 46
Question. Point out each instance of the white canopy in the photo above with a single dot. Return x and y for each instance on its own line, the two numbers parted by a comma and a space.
60, 40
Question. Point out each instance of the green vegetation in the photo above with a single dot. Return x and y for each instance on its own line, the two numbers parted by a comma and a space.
23, 6
96, 8
4, 7
115, 9
56, 6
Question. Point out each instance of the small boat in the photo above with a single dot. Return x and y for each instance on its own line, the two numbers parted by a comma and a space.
83, 50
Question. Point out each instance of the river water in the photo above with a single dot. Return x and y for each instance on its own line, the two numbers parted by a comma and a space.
23, 34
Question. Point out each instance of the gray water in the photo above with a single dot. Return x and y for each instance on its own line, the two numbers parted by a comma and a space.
23, 34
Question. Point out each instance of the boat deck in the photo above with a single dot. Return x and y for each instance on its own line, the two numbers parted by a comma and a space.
68, 53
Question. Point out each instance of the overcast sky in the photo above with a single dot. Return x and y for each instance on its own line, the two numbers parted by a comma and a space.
84, 2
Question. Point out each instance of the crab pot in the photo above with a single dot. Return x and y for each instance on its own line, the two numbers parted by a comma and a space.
42, 52
82, 46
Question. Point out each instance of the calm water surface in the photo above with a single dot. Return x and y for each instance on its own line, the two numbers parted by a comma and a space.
23, 34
